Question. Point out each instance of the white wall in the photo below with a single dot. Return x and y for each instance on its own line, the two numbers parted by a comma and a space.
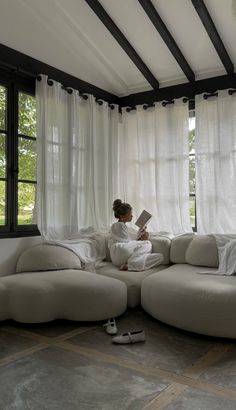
10, 250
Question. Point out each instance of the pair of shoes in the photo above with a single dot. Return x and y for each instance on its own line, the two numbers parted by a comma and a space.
130, 337
110, 327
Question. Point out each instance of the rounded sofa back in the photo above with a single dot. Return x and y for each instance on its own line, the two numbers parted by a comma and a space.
179, 246
199, 250
44, 257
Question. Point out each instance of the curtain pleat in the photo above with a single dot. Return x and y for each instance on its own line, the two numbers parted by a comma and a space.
216, 163
156, 164
76, 140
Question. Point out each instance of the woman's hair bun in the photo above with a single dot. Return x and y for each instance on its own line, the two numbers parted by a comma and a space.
116, 204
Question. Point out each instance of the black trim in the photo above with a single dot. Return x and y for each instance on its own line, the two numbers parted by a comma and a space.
167, 37
20, 233
122, 40
188, 90
210, 27
21, 65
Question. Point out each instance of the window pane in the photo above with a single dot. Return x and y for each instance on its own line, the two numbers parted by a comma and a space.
27, 115
26, 203
27, 159
192, 175
2, 156
3, 106
2, 203
192, 210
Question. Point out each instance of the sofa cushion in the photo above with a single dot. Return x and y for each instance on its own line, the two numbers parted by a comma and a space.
161, 244
179, 246
132, 280
202, 251
63, 294
200, 303
47, 257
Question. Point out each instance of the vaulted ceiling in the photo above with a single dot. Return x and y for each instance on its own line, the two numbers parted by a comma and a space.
125, 46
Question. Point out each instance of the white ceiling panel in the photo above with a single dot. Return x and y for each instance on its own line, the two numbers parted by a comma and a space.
68, 35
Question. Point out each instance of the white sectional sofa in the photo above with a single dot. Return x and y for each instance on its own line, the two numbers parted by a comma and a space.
49, 284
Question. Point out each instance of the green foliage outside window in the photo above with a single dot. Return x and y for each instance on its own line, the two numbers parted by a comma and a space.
2, 108
191, 137
26, 157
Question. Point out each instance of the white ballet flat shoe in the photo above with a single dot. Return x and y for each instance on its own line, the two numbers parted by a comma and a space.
110, 327
130, 337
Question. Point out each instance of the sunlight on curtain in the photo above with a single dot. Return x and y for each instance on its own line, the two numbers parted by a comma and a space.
216, 163
77, 161
155, 164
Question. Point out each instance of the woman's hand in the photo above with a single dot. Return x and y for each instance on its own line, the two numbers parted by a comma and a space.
144, 236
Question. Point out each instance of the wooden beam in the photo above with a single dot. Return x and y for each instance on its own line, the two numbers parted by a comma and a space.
167, 37
207, 21
122, 40
188, 90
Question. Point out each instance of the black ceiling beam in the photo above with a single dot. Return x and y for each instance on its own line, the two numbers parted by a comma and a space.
207, 21
188, 90
167, 37
122, 40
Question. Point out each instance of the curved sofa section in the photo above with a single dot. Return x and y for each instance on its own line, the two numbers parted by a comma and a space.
36, 297
183, 297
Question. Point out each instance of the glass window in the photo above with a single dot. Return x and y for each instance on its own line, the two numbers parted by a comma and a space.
3, 107
2, 202
192, 190
18, 157
27, 115
27, 159
26, 203
2, 156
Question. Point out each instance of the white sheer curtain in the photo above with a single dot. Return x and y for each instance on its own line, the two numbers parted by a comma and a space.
216, 163
155, 164
77, 161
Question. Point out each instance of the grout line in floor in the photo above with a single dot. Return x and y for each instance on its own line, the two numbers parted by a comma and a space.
23, 353
173, 391
46, 339
164, 374
166, 397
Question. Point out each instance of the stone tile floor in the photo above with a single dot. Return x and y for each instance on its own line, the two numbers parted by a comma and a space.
69, 365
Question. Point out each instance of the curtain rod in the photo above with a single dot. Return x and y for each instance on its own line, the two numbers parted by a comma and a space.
185, 99
164, 103
70, 91
206, 96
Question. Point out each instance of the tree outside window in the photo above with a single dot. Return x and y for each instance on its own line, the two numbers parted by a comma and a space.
17, 159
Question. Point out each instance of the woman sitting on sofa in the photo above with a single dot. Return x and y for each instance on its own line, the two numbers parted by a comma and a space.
126, 252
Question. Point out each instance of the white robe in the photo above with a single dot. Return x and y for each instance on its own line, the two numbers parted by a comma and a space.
125, 250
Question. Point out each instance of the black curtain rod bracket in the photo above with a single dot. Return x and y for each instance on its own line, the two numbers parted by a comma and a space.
146, 106
164, 103
206, 96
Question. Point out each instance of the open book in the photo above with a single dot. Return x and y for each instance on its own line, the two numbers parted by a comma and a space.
143, 219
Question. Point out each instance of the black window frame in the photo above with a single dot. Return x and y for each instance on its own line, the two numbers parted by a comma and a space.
14, 83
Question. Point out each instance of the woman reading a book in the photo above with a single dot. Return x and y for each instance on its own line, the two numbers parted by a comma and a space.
127, 251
